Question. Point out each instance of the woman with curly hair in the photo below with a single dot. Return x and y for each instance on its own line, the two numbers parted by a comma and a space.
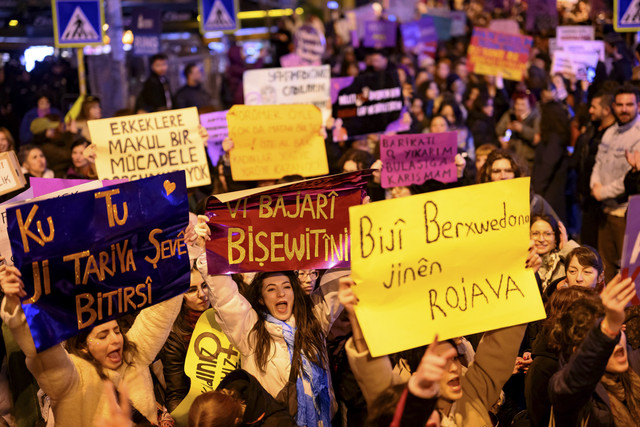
598, 383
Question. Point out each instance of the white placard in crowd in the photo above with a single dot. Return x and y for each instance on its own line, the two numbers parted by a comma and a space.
575, 32
291, 85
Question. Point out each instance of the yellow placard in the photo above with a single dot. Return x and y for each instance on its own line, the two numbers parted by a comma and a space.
271, 141
450, 262
144, 145
210, 358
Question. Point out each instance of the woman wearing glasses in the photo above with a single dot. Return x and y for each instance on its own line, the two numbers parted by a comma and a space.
551, 243
308, 280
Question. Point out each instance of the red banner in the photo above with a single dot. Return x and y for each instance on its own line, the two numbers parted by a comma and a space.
303, 225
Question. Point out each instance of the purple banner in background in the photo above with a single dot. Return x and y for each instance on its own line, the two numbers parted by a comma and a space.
630, 262
337, 84
216, 125
414, 159
379, 34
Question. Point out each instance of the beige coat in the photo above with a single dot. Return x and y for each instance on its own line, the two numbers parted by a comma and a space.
481, 384
73, 384
236, 317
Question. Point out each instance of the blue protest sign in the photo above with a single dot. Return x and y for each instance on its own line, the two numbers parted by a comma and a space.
91, 257
626, 15
146, 26
77, 23
218, 15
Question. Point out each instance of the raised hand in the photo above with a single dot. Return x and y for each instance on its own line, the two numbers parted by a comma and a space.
346, 296
119, 415
615, 297
434, 364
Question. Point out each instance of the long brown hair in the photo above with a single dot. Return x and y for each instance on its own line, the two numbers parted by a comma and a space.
77, 346
308, 338
217, 408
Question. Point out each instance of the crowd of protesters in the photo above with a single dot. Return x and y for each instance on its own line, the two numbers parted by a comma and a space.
578, 140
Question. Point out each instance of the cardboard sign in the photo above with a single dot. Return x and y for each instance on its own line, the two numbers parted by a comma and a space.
420, 37
630, 261
581, 46
144, 145
379, 34
413, 159
575, 32
216, 125
574, 63
303, 225
492, 52
210, 358
450, 263
11, 176
146, 25
91, 257
370, 103
271, 141
292, 85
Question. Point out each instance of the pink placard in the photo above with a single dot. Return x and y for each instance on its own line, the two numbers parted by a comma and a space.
414, 159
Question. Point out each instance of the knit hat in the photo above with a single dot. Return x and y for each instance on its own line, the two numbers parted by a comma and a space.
42, 124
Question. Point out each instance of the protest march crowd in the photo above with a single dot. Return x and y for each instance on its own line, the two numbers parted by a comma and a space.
453, 149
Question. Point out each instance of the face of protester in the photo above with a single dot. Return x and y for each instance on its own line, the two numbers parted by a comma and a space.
625, 108
350, 166
448, 113
4, 142
501, 169
595, 110
195, 75
521, 107
277, 296
416, 107
581, 275
95, 112
195, 298
160, 67
43, 103
618, 361
450, 387
77, 157
378, 62
488, 108
543, 236
432, 91
461, 70
105, 344
442, 70
397, 192
35, 163
308, 279
438, 125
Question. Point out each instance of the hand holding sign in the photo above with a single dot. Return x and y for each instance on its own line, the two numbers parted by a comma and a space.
12, 287
433, 365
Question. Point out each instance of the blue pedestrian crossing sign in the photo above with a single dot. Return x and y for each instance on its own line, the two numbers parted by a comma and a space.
77, 23
218, 15
626, 15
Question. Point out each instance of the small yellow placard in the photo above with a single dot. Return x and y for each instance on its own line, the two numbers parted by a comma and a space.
271, 141
210, 358
450, 262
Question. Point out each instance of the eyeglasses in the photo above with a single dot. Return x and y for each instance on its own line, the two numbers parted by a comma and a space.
545, 234
313, 274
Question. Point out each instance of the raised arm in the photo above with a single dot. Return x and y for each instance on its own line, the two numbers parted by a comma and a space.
234, 313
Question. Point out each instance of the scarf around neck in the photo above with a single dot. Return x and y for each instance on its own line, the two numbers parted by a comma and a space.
315, 409
624, 393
